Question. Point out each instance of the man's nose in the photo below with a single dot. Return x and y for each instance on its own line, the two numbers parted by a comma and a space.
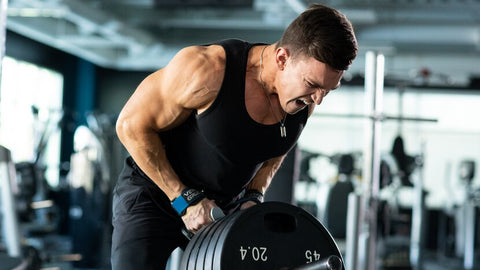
317, 97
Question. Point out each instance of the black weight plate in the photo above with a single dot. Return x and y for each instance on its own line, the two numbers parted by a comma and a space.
189, 257
271, 235
200, 245
196, 244
201, 255
274, 236
186, 253
216, 241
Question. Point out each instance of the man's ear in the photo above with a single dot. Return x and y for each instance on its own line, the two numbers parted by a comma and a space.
281, 56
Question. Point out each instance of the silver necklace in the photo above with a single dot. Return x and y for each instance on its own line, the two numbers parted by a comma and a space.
283, 130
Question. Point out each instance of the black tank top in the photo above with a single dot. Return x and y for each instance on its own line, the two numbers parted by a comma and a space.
221, 149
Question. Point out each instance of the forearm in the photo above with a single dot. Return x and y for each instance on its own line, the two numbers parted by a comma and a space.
146, 148
264, 176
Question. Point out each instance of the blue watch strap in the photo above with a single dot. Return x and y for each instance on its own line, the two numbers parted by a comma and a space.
180, 204
188, 196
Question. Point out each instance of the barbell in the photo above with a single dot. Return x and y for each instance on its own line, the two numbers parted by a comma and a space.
271, 235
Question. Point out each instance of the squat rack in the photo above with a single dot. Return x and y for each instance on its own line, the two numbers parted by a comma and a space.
361, 242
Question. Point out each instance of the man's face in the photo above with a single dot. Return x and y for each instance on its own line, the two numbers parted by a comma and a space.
304, 81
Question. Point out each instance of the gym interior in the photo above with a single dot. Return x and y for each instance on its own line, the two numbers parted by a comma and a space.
387, 163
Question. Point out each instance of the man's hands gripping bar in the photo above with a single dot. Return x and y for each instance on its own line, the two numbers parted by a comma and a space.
216, 213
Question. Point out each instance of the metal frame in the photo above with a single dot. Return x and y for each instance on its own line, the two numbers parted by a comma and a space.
9, 221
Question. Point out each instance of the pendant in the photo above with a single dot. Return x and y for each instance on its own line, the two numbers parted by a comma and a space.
283, 131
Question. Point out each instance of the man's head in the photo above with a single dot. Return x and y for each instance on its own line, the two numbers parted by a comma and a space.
324, 34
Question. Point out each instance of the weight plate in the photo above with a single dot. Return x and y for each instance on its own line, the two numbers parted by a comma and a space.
190, 254
202, 253
272, 235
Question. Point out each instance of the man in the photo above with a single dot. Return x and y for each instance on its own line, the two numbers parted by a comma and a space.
212, 128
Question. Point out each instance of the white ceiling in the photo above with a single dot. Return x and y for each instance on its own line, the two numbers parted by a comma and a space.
145, 34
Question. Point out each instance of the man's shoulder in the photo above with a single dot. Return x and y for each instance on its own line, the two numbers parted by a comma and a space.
212, 56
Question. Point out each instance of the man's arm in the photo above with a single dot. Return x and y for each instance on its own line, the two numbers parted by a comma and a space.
264, 177
163, 101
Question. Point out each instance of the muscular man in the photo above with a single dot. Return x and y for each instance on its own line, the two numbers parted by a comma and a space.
212, 128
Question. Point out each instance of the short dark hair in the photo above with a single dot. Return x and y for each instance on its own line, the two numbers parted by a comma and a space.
323, 33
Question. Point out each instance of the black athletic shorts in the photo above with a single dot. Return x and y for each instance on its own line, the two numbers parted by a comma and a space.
146, 229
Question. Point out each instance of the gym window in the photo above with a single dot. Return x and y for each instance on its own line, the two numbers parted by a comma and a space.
30, 109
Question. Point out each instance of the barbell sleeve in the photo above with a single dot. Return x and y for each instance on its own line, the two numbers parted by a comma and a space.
330, 263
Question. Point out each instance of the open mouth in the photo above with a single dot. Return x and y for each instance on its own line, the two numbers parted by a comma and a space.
303, 102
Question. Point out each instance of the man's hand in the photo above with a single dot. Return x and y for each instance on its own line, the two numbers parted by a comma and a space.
198, 215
